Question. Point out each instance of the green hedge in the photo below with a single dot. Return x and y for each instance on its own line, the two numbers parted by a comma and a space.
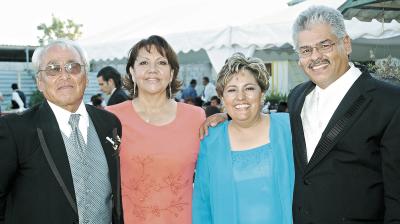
275, 98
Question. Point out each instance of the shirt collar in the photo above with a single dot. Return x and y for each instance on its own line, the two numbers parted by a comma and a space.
63, 115
112, 91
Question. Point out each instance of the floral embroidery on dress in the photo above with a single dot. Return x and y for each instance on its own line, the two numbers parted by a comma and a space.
142, 186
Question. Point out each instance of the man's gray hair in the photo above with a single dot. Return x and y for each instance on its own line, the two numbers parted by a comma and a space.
37, 56
319, 15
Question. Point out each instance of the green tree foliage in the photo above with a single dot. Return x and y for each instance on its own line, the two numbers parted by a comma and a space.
59, 29
36, 98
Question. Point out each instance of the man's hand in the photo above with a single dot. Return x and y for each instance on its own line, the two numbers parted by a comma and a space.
212, 121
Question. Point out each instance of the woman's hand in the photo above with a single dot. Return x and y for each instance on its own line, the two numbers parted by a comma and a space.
212, 121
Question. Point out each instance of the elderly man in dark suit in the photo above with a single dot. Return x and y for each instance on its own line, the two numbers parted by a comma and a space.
59, 160
109, 80
346, 130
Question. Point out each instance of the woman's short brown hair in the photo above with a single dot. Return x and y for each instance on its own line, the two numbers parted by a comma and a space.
238, 62
165, 50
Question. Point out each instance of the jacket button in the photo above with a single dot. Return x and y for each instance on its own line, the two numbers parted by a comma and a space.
306, 182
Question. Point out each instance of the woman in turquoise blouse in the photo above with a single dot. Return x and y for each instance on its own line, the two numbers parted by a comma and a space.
245, 170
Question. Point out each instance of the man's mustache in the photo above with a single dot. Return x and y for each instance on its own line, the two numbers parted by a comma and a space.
318, 62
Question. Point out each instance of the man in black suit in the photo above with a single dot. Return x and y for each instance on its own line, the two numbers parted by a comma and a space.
59, 160
346, 130
109, 80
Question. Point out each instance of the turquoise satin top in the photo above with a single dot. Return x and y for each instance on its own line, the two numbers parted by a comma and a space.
255, 186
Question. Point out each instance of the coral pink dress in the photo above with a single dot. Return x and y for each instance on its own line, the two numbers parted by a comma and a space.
157, 165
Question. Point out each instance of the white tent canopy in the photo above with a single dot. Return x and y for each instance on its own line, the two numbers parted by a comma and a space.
220, 43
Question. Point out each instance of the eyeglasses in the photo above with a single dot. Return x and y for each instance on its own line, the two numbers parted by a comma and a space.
323, 47
73, 68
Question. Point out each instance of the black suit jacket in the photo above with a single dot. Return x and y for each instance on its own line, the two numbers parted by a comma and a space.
29, 191
354, 174
118, 96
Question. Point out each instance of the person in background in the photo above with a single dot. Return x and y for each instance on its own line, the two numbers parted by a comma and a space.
345, 127
160, 142
209, 90
97, 101
245, 172
190, 91
210, 110
190, 101
215, 101
212, 107
109, 80
282, 107
198, 101
59, 159
18, 99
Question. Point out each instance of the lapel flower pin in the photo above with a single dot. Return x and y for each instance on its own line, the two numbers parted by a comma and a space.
115, 142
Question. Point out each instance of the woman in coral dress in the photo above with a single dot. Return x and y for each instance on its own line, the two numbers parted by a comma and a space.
160, 139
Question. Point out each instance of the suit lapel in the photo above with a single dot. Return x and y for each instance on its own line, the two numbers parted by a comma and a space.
300, 149
349, 109
47, 123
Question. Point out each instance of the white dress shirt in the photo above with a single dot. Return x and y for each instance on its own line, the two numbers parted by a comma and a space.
15, 96
112, 91
209, 91
63, 115
320, 104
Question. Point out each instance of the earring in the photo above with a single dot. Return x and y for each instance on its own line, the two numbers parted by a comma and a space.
170, 91
134, 89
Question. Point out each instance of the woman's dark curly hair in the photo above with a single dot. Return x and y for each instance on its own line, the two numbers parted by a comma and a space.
165, 50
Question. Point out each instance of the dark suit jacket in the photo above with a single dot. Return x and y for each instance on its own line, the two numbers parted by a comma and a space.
29, 191
354, 174
118, 96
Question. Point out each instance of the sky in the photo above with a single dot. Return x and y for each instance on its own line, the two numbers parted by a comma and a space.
19, 18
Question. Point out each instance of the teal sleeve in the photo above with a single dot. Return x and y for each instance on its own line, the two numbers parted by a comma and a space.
201, 207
